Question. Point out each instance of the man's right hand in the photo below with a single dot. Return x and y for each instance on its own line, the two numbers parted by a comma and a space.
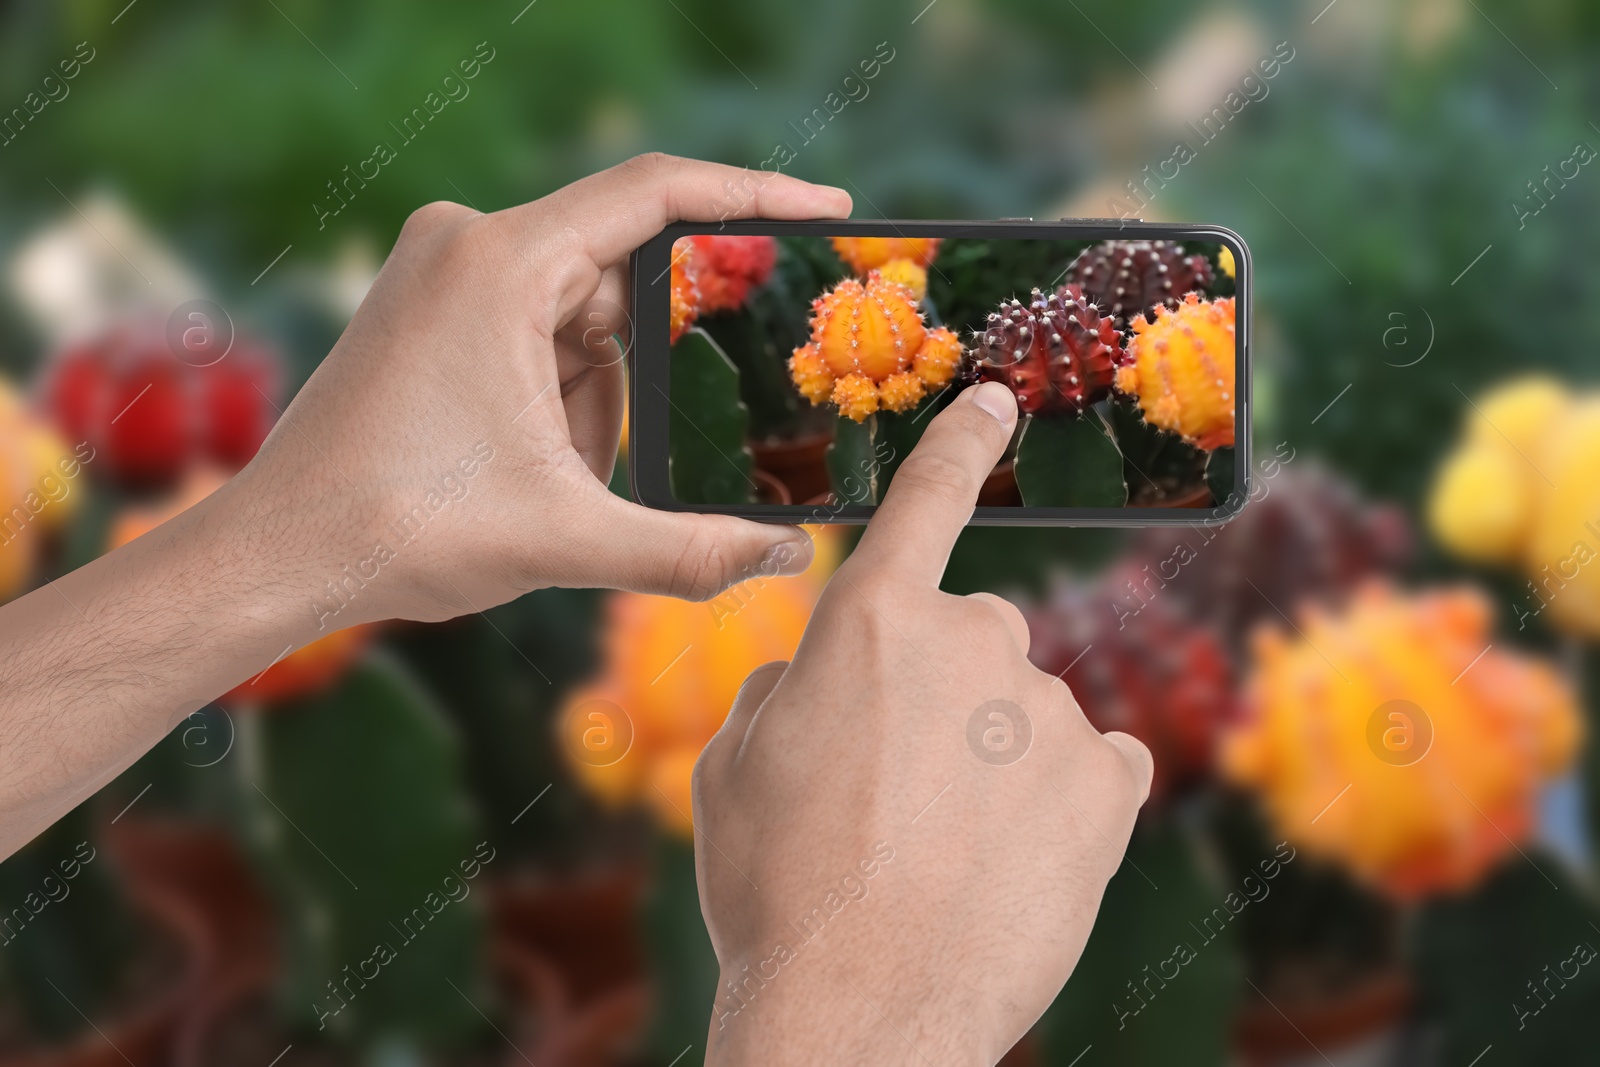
902, 837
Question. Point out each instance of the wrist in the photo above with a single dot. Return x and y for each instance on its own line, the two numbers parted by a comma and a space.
824, 1016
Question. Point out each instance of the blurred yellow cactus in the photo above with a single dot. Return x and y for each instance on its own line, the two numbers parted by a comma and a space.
1523, 488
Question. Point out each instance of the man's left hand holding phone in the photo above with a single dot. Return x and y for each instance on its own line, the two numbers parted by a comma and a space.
472, 343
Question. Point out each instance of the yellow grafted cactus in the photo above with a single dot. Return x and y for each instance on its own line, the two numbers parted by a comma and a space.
1563, 555
863, 254
1225, 261
908, 274
1484, 500
1524, 489
1391, 738
1519, 413
870, 349
1481, 505
1180, 368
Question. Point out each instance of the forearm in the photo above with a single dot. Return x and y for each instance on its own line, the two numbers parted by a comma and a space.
100, 664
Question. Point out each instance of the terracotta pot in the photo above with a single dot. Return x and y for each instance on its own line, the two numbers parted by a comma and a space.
1306, 1028
801, 464
769, 490
194, 884
1000, 488
570, 953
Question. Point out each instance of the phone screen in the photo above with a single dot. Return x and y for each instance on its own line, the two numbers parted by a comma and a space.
802, 368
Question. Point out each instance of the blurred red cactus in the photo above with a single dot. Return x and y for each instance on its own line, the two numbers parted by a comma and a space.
729, 267
1167, 682
1306, 535
151, 414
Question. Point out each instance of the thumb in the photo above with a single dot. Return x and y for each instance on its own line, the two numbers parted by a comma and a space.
693, 557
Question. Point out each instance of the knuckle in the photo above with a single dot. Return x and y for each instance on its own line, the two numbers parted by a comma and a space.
646, 164
936, 475
1121, 772
703, 569
984, 627
971, 421
434, 217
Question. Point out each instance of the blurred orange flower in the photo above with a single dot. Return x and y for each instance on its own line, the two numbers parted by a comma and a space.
671, 671
1392, 738
302, 673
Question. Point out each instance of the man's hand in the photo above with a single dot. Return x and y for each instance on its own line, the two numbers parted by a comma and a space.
491, 334
902, 836
450, 453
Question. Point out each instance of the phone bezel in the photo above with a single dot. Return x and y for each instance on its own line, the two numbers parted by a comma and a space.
649, 380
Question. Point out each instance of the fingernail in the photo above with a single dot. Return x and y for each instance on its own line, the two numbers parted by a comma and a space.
788, 558
997, 400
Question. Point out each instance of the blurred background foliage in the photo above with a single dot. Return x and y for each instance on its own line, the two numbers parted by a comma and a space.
1377, 183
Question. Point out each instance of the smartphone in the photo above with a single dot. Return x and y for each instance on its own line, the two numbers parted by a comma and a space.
784, 370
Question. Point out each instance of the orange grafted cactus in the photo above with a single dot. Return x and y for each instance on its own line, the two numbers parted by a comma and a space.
870, 349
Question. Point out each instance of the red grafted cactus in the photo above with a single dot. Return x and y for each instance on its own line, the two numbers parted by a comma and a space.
1058, 354
1129, 278
729, 267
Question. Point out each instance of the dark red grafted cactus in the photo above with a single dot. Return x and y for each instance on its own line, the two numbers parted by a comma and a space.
1129, 278
1058, 354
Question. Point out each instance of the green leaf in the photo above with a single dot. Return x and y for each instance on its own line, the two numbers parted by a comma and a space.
1145, 915
1220, 474
357, 809
761, 337
708, 461
686, 969
1070, 462
864, 455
